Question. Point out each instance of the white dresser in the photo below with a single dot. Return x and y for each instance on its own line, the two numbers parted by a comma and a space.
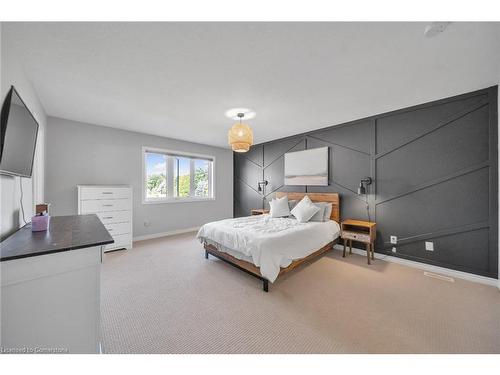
51, 287
113, 205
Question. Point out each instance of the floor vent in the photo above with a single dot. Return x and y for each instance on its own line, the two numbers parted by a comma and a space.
439, 277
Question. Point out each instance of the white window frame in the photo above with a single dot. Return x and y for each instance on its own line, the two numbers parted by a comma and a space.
170, 172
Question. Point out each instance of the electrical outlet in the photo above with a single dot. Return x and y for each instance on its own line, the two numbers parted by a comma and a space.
393, 249
429, 246
394, 239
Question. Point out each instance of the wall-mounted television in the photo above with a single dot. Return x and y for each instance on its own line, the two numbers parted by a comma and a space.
19, 131
308, 167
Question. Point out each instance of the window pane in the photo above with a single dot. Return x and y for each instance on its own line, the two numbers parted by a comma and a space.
156, 175
201, 168
181, 177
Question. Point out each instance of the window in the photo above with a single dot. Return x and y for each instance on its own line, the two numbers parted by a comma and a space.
171, 176
156, 176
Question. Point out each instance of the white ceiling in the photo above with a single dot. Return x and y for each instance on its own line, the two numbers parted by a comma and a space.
178, 79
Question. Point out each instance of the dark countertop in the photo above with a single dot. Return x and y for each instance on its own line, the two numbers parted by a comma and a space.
65, 233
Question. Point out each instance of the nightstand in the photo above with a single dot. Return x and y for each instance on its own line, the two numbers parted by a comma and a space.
259, 211
361, 231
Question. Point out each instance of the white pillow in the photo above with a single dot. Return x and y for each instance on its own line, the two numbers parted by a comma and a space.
319, 216
304, 210
328, 211
279, 207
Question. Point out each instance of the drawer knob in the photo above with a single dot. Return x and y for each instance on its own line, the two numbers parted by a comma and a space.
107, 205
107, 192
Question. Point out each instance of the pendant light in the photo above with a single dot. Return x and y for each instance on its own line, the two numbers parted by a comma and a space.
240, 136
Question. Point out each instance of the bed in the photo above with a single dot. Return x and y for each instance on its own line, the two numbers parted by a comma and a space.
267, 247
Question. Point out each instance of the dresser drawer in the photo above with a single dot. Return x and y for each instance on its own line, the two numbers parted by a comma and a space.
110, 217
113, 205
103, 205
104, 193
356, 236
118, 228
121, 240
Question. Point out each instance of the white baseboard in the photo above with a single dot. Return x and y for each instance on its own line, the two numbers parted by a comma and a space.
165, 234
428, 267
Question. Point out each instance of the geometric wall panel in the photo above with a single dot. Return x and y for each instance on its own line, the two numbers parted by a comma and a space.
348, 167
245, 199
274, 175
434, 169
255, 155
274, 150
403, 126
466, 251
455, 147
247, 171
352, 135
447, 205
274, 172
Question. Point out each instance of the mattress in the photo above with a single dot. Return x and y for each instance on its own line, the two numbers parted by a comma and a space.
269, 243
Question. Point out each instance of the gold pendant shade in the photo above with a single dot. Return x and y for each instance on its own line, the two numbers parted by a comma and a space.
240, 137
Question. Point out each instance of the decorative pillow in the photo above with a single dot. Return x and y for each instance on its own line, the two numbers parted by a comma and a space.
292, 204
279, 207
319, 216
328, 211
304, 210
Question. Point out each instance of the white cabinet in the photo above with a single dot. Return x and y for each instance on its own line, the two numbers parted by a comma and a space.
51, 303
113, 205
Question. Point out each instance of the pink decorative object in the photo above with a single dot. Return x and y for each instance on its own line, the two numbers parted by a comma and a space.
40, 223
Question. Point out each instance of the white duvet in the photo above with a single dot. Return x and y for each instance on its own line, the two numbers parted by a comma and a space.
269, 243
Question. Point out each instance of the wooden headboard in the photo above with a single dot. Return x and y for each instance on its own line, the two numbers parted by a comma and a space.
317, 197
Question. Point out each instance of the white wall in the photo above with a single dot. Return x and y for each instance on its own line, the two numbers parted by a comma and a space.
80, 153
12, 73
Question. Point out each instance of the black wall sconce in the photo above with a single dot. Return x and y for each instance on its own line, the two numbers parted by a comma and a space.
363, 184
262, 185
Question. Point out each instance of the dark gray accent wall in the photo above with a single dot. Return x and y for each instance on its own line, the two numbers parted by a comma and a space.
434, 168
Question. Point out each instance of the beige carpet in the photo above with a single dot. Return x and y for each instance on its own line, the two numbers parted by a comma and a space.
163, 296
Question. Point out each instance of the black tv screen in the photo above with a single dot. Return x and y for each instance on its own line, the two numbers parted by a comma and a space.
18, 138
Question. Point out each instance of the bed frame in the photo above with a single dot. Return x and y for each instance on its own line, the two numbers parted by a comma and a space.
252, 269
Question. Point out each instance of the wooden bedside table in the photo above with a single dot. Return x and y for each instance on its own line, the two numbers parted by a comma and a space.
361, 231
259, 211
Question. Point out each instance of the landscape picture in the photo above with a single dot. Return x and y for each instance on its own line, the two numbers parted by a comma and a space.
308, 167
